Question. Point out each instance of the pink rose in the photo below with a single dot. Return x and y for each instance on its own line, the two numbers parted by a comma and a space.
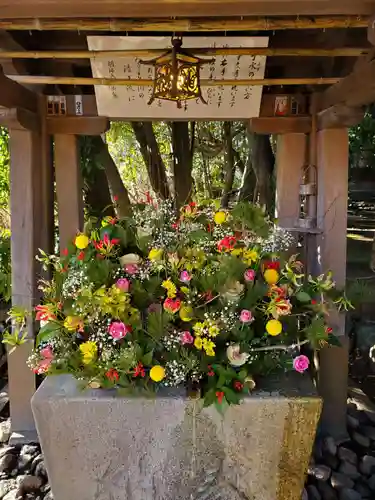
246, 316
118, 330
185, 277
186, 338
131, 268
43, 366
123, 284
47, 352
249, 275
301, 363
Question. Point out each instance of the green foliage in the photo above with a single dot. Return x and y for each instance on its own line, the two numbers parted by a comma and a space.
5, 267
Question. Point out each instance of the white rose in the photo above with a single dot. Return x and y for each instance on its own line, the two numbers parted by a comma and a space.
235, 356
234, 292
130, 258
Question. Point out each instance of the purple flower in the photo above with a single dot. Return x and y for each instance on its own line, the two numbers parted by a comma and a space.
123, 284
246, 316
301, 363
185, 277
249, 275
186, 338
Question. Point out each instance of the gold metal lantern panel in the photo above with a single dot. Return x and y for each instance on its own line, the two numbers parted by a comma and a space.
177, 75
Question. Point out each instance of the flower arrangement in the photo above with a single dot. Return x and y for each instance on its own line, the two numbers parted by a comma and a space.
203, 298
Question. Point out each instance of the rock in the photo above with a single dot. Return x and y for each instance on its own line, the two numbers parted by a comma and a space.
369, 431
28, 483
304, 495
349, 470
321, 472
27, 455
363, 489
340, 481
6, 485
371, 482
35, 462
326, 491
7, 449
41, 471
329, 446
318, 450
313, 493
4, 431
349, 494
360, 439
370, 415
12, 495
8, 462
352, 422
49, 496
367, 465
331, 461
347, 455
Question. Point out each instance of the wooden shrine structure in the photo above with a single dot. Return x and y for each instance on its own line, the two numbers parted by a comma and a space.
320, 59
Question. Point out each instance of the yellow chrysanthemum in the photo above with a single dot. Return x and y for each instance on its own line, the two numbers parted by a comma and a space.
170, 287
73, 323
210, 352
81, 241
220, 217
237, 251
250, 256
213, 331
157, 373
198, 343
155, 254
198, 328
208, 345
271, 276
274, 327
186, 313
89, 351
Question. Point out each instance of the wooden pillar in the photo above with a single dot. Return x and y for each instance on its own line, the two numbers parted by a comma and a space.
26, 209
332, 164
68, 187
290, 158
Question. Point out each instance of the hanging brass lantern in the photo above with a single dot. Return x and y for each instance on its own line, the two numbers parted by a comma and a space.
177, 75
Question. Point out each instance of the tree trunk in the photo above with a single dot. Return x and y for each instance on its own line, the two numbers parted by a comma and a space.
182, 162
206, 176
263, 162
145, 136
97, 194
229, 165
248, 184
116, 186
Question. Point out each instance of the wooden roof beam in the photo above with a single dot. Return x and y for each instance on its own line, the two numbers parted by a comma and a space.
14, 95
187, 8
182, 25
353, 91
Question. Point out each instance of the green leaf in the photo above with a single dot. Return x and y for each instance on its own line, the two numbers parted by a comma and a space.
210, 397
303, 297
232, 396
48, 331
333, 340
156, 322
147, 358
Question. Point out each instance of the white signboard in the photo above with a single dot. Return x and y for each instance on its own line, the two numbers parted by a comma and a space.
224, 102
